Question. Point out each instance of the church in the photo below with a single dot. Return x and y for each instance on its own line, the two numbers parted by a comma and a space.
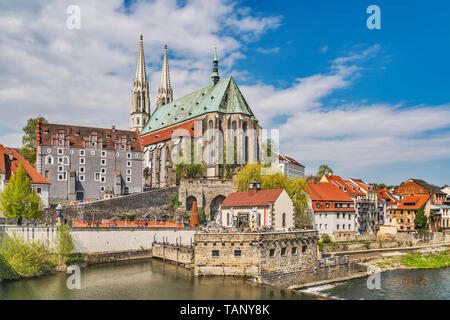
214, 124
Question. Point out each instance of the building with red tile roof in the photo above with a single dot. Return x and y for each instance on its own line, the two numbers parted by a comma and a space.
334, 210
87, 163
266, 208
404, 214
10, 159
365, 199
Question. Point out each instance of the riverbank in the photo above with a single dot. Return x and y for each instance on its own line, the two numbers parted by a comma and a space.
413, 260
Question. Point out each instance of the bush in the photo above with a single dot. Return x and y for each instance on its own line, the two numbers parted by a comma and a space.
326, 239
27, 259
64, 243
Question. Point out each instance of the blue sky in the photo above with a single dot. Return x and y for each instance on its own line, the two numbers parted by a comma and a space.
373, 104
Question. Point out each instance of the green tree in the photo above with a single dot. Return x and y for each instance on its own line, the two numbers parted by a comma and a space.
323, 170
174, 202
296, 188
28, 150
189, 170
421, 221
64, 243
19, 200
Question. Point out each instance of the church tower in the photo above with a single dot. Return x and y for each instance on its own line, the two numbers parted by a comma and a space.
140, 102
165, 94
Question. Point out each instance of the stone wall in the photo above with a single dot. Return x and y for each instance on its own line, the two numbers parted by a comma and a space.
146, 204
175, 253
204, 191
106, 239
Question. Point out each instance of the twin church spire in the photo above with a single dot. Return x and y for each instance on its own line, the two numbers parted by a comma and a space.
140, 102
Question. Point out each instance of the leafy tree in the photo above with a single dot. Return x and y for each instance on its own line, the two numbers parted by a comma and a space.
421, 221
19, 200
323, 170
64, 243
189, 170
174, 202
28, 150
201, 214
296, 188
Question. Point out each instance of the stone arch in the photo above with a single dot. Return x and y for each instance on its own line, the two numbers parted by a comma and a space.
189, 202
214, 206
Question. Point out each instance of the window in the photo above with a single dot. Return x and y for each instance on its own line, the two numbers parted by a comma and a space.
46, 174
82, 161
60, 151
304, 249
71, 151
102, 188
103, 153
49, 150
128, 163
81, 177
82, 153
97, 176
337, 227
128, 179
338, 215
272, 252
38, 190
318, 205
117, 154
49, 160
237, 253
136, 155
215, 253
102, 179
326, 226
128, 155
349, 226
129, 172
92, 152
327, 205
103, 162
82, 170
62, 176
60, 160
103, 170
284, 220
343, 227
283, 252
294, 251
60, 169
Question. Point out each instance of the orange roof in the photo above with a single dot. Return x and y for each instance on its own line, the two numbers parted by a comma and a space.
386, 195
346, 186
324, 191
9, 167
413, 202
179, 130
251, 198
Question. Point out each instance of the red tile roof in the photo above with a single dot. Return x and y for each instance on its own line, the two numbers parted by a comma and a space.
247, 199
413, 202
9, 167
352, 187
327, 192
178, 130
387, 196
78, 134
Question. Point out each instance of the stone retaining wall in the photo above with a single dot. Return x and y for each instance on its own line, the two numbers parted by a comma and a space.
174, 253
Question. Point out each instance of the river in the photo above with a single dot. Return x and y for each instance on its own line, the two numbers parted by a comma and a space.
423, 284
153, 279
150, 279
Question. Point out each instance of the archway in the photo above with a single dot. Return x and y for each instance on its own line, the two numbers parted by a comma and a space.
79, 195
214, 208
189, 202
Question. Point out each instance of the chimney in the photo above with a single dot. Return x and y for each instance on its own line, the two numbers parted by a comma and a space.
11, 157
254, 187
113, 129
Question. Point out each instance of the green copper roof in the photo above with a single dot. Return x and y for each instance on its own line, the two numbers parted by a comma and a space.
224, 97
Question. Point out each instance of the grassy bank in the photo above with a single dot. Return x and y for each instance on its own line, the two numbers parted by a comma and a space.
416, 261
426, 261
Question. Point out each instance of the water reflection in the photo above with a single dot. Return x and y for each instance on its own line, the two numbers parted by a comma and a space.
149, 279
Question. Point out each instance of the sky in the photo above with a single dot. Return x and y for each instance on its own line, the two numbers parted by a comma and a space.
371, 103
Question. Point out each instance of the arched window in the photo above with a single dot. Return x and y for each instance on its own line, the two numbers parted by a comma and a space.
48, 160
283, 223
244, 128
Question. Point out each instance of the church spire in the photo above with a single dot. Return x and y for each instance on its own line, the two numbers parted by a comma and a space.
215, 74
140, 102
165, 94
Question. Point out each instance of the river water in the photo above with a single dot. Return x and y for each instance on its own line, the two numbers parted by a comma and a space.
150, 279
424, 284
153, 279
